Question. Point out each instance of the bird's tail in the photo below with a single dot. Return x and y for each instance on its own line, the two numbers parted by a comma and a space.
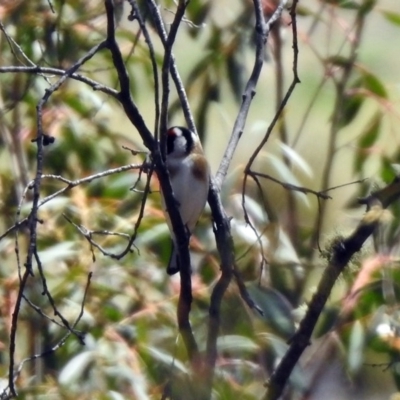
173, 264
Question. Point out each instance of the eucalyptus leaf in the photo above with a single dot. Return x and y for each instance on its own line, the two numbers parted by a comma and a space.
356, 347
73, 372
158, 355
58, 252
236, 344
392, 17
277, 311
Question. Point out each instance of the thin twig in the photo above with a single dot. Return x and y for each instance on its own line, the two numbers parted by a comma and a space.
131, 238
40, 311
288, 94
222, 232
60, 72
12, 43
52, 302
70, 185
281, 107
244, 294
124, 95
53, 349
32, 220
289, 186
248, 221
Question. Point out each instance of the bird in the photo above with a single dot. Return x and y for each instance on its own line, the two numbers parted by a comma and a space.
189, 174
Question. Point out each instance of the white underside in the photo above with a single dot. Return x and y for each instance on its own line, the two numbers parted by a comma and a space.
191, 195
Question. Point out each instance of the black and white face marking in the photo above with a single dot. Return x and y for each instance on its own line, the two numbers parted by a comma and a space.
179, 141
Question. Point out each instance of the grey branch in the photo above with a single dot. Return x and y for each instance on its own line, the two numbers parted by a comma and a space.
262, 30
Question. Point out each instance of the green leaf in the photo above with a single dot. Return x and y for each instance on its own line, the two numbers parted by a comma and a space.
356, 347
303, 11
366, 141
278, 345
157, 354
200, 69
277, 310
76, 367
338, 61
197, 12
58, 252
348, 4
366, 7
285, 174
392, 17
237, 343
326, 321
296, 159
354, 99
279, 348
373, 84
387, 171
351, 105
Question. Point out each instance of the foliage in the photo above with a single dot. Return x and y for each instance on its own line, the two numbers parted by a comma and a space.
278, 201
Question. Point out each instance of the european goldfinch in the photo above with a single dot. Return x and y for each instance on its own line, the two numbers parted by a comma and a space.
189, 174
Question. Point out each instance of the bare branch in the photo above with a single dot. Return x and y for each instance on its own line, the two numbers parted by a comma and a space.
244, 294
135, 14
289, 186
281, 107
185, 295
32, 220
60, 72
162, 173
286, 98
124, 96
13, 333
262, 30
221, 221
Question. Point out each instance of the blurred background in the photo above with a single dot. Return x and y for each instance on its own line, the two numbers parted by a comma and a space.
339, 126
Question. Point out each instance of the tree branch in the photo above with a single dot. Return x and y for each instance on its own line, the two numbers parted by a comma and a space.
221, 220
262, 30
179, 230
336, 120
155, 12
124, 96
342, 253
60, 72
135, 14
